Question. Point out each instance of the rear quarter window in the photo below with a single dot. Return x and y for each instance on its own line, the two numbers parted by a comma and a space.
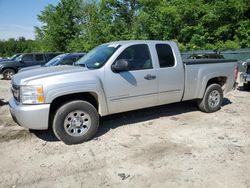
165, 55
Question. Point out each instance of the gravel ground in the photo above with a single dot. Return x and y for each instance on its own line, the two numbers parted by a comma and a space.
169, 146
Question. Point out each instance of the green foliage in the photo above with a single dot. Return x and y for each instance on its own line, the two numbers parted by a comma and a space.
80, 25
61, 25
13, 46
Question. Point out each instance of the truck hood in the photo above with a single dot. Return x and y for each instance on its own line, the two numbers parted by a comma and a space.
2, 60
24, 77
29, 68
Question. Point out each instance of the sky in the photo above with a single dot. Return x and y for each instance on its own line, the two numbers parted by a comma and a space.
18, 17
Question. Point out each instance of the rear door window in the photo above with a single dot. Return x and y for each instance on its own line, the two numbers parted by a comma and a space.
165, 55
39, 57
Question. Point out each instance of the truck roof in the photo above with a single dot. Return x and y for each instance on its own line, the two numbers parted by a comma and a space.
139, 41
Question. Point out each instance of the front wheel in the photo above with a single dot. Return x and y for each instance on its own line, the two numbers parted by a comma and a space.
8, 73
212, 99
75, 122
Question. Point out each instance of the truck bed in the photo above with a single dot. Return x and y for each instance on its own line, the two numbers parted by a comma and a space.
207, 61
199, 71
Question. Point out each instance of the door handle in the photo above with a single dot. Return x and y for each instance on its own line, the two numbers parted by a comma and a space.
150, 77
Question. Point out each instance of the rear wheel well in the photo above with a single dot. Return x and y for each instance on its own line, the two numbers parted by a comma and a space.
217, 80
59, 101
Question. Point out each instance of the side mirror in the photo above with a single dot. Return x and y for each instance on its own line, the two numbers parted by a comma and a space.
120, 65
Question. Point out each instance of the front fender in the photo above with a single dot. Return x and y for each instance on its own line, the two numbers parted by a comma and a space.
3, 67
55, 92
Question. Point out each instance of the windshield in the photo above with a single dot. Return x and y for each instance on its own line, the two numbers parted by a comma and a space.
18, 58
55, 60
13, 57
97, 57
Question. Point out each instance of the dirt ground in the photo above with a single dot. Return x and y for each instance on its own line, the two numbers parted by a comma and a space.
169, 146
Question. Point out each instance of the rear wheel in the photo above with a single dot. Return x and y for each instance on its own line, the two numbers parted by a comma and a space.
75, 122
212, 99
8, 73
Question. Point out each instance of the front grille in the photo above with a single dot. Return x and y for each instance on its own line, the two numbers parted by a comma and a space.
16, 92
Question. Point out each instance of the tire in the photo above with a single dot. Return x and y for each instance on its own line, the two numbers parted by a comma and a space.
8, 73
212, 99
246, 86
75, 122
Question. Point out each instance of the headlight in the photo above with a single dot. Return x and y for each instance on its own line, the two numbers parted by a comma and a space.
32, 95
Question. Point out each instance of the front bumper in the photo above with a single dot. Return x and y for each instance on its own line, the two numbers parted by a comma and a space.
30, 116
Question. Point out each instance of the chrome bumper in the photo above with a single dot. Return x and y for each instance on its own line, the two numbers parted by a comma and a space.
244, 77
30, 116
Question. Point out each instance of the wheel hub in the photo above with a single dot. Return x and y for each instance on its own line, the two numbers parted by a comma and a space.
77, 123
214, 99
9, 75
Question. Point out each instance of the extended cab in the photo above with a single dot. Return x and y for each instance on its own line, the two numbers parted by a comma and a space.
112, 78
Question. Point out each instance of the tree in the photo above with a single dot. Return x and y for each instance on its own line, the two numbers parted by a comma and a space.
60, 25
78, 25
13, 46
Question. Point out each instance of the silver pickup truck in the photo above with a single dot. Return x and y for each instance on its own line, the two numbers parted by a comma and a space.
115, 77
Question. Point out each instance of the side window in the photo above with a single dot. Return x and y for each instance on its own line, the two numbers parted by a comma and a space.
67, 61
50, 56
165, 55
80, 56
138, 57
27, 58
39, 57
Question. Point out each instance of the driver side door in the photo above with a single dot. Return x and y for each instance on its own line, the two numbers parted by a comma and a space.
135, 88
